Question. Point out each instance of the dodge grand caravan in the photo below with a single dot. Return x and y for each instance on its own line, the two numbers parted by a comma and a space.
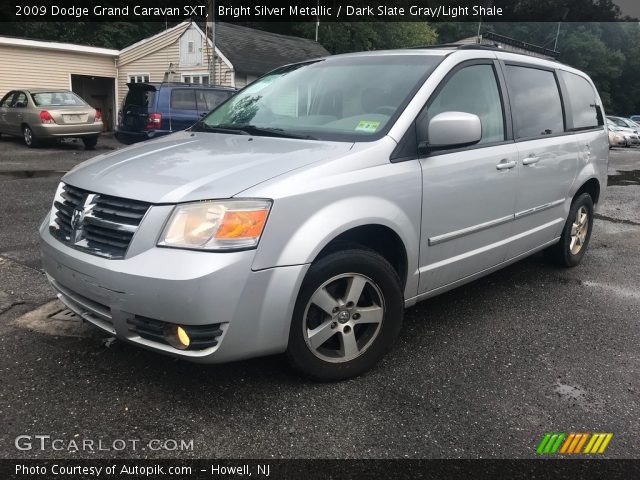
307, 211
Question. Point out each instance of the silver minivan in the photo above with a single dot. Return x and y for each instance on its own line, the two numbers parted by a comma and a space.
305, 213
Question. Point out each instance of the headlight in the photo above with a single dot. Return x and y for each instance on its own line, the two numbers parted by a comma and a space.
216, 225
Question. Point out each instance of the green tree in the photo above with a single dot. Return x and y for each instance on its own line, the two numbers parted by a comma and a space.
99, 34
582, 47
358, 36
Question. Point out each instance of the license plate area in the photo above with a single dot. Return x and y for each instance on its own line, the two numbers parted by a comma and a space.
74, 118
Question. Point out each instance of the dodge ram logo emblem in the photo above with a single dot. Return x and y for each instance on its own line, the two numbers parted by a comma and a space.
76, 218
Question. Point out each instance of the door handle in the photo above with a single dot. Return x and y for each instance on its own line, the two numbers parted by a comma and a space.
530, 160
505, 164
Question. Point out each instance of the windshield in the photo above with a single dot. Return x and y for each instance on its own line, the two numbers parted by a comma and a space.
617, 121
342, 98
45, 99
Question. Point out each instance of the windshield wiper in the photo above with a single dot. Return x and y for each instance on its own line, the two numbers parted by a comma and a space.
203, 127
249, 130
274, 132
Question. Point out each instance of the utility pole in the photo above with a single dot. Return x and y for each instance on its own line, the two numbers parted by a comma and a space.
562, 19
555, 45
211, 27
318, 20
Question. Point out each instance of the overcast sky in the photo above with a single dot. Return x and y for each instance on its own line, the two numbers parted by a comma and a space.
629, 7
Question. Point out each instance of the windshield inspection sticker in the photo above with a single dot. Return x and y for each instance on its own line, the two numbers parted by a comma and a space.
367, 126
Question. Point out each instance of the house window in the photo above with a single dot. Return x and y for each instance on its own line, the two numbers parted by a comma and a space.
138, 77
197, 79
190, 47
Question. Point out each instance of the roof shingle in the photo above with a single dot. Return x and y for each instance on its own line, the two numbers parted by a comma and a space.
256, 52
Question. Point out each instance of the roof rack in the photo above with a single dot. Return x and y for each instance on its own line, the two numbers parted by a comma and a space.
462, 46
498, 38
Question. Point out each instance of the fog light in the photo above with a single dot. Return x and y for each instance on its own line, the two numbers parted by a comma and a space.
178, 337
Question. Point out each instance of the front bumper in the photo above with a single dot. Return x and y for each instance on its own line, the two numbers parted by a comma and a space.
617, 142
182, 287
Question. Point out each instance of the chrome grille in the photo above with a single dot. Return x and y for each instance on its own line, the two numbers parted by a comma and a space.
99, 224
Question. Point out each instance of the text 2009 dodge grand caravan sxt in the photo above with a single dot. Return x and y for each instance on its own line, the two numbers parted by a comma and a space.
304, 213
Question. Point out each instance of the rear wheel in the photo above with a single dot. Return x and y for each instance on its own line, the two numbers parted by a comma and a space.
347, 315
568, 252
30, 139
90, 142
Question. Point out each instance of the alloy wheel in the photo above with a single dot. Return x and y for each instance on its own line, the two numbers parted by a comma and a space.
579, 230
343, 317
28, 135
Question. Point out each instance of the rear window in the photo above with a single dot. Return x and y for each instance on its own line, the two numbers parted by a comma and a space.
583, 104
535, 100
44, 99
183, 99
140, 97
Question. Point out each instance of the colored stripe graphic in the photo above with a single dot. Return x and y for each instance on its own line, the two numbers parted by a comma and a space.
550, 443
566, 445
554, 442
581, 443
598, 443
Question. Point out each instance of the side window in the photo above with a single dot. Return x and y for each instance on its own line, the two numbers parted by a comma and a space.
473, 89
183, 99
6, 100
20, 100
535, 102
209, 99
585, 111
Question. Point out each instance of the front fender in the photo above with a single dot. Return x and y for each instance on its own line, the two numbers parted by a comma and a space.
303, 223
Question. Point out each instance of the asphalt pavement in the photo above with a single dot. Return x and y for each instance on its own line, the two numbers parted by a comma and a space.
482, 371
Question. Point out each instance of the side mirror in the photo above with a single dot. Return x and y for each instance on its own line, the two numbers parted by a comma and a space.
453, 129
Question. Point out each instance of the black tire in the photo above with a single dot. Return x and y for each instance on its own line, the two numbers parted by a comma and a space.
29, 137
383, 280
90, 142
561, 253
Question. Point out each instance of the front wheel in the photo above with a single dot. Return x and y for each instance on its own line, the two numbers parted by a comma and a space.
576, 233
347, 315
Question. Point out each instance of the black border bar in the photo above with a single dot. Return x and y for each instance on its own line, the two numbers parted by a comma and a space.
322, 469
243, 11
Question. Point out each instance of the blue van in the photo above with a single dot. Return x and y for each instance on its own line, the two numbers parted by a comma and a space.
151, 110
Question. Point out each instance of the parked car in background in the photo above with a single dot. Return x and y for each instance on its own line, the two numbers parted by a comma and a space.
624, 123
631, 135
39, 115
151, 110
635, 118
617, 137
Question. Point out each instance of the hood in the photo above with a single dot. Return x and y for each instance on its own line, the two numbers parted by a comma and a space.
189, 166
